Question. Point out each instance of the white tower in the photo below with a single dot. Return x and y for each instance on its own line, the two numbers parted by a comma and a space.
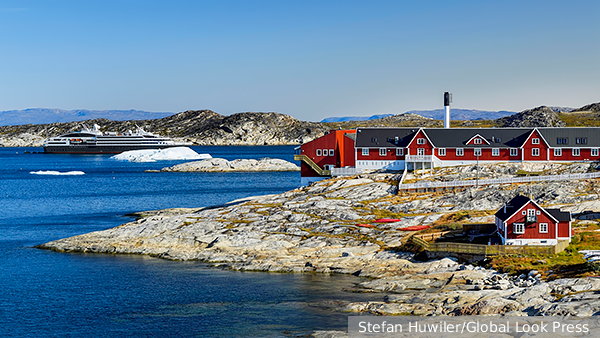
447, 101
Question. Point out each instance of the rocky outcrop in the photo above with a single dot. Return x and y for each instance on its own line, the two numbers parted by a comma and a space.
223, 165
537, 117
22, 140
203, 127
329, 227
594, 107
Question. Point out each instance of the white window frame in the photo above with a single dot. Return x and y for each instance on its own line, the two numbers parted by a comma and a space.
442, 152
421, 141
543, 228
477, 152
382, 151
575, 152
535, 151
519, 228
477, 141
319, 152
594, 152
495, 151
530, 212
514, 151
460, 152
420, 151
365, 151
331, 152
399, 151
535, 140
557, 152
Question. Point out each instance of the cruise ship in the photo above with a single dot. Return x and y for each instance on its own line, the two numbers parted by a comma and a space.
94, 141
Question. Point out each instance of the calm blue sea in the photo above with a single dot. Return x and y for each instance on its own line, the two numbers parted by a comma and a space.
50, 294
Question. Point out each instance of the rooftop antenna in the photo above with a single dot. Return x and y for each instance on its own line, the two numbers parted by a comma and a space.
447, 101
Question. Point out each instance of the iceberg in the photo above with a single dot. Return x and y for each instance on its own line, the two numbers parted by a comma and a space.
153, 155
56, 173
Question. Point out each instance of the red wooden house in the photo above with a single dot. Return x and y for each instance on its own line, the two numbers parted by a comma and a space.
342, 152
524, 222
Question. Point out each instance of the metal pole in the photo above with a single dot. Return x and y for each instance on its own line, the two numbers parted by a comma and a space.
477, 168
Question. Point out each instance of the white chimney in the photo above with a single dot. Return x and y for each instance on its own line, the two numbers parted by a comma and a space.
447, 101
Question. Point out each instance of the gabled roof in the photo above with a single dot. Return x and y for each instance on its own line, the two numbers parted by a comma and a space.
518, 202
592, 135
497, 137
478, 136
384, 137
512, 206
352, 136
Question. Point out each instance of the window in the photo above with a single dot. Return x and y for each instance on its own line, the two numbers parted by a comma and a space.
365, 151
477, 141
374, 139
399, 151
557, 152
420, 141
581, 140
442, 152
523, 212
420, 151
495, 151
594, 152
562, 140
318, 152
519, 228
543, 228
530, 212
575, 151
535, 141
460, 151
535, 151
514, 152
477, 151
331, 152
382, 152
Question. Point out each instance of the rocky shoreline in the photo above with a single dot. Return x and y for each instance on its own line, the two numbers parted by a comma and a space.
320, 229
223, 165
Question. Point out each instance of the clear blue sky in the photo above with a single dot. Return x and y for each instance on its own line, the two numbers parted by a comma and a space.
308, 59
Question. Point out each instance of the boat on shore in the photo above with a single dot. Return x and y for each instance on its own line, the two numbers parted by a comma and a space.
94, 141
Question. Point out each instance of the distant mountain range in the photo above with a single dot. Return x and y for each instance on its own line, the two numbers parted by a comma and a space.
436, 114
45, 115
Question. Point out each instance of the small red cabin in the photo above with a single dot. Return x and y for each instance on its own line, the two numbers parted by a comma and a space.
524, 222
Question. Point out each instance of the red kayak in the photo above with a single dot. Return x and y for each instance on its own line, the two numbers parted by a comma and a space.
365, 225
387, 220
415, 228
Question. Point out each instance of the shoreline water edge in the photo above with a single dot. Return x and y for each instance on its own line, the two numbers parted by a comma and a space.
317, 229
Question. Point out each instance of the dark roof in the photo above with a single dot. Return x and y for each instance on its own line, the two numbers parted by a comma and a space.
512, 206
591, 134
561, 216
384, 137
458, 137
497, 137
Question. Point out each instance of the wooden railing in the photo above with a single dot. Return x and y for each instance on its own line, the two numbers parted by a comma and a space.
313, 165
510, 180
491, 250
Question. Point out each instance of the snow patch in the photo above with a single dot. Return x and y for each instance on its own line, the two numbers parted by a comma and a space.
153, 155
56, 173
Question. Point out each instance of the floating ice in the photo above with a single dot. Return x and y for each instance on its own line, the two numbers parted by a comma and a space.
56, 173
152, 155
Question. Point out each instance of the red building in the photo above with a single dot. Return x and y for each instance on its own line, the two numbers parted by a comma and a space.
335, 149
524, 222
343, 152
